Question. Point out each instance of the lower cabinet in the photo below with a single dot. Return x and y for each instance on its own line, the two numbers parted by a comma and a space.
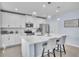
10, 40
0, 41
5, 39
39, 49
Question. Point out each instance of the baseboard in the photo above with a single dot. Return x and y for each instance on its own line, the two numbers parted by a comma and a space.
11, 46
1, 47
71, 44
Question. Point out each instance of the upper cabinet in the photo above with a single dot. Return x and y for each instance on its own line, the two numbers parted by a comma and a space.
0, 19
12, 20
15, 20
35, 21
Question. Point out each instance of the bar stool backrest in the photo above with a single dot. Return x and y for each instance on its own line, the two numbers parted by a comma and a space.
62, 40
51, 44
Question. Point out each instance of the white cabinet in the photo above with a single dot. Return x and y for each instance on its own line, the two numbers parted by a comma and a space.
17, 39
39, 49
9, 40
0, 28
35, 21
0, 40
5, 40
0, 19
14, 39
12, 20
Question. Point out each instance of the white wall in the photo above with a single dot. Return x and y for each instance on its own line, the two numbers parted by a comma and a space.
72, 33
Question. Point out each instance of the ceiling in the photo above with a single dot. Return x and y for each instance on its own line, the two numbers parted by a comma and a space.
55, 8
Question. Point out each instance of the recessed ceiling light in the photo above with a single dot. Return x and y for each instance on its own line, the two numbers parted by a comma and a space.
49, 17
16, 9
58, 19
44, 5
34, 13
57, 10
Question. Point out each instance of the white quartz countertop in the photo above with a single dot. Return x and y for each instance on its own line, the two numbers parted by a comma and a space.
37, 39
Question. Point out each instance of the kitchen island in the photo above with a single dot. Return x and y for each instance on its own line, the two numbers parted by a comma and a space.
32, 45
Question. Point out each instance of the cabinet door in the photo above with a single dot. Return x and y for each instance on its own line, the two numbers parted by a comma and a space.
9, 40
5, 20
14, 39
0, 19
12, 20
0, 39
39, 49
17, 39
5, 40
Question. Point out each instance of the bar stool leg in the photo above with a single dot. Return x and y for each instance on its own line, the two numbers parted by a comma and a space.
54, 52
48, 53
43, 52
58, 47
60, 51
64, 49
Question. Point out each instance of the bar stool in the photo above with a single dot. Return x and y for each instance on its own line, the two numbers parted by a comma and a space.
60, 43
48, 46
